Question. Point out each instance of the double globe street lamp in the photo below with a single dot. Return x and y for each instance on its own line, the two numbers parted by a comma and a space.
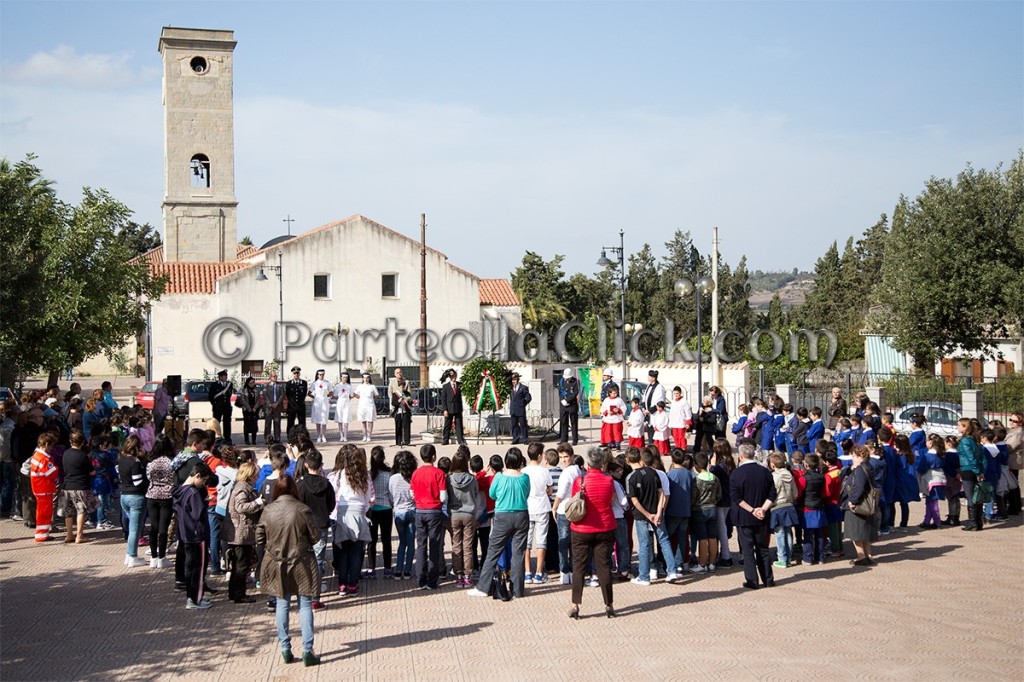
686, 287
620, 273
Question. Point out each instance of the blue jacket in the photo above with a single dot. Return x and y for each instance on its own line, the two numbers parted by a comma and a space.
193, 519
680, 482
951, 465
518, 400
878, 469
866, 435
780, 438
798, 432
907, 489
927, 462
994, 465
767, 420
738, 426
815, 432
892, 468
918, 442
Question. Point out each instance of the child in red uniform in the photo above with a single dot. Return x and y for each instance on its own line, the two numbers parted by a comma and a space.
43, 474
680, 417
613, 411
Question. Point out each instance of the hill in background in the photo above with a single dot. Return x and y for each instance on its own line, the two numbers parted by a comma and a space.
792, 285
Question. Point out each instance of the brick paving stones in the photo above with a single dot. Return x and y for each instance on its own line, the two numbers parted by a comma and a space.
939, 605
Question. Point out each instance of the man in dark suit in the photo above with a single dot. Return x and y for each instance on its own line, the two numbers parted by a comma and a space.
569, 407
221, 393
451, 403
518, 399
296, 392
272, 410
607, 384
752, 490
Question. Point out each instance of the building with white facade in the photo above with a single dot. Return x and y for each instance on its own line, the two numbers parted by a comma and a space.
347, 291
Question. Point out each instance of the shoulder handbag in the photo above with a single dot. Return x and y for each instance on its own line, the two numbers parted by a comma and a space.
576, 507
982, 493
868, 507
720, 421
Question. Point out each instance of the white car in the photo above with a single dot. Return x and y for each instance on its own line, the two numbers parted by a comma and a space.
940, 418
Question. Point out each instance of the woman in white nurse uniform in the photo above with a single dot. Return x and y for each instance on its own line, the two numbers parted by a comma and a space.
367, 409
321, 389
342, 412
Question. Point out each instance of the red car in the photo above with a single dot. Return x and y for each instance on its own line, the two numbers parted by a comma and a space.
146, 393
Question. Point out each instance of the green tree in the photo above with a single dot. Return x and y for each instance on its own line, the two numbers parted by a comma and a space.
538, 284
734, 305
681, 259
141, 238
951, 272
71, 288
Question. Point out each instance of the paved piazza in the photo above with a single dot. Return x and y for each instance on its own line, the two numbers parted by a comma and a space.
939, 605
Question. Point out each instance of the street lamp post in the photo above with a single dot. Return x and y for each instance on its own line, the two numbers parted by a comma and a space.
603, 261
684, 287
262, 277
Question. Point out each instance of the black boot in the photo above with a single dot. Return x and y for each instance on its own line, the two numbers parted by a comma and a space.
979, 516
970, 525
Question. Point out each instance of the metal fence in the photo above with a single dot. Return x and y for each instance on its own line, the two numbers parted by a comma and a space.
1001, 395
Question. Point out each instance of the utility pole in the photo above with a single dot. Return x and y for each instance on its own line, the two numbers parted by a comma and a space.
715, 378
424, 377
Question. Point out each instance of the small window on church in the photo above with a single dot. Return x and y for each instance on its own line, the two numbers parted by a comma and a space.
389, 285
322, 287
199, 171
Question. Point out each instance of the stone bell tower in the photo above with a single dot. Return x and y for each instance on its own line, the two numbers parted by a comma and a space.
199, 205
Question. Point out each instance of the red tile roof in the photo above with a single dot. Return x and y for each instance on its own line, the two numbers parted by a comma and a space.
246, 251
185, 277
497, 292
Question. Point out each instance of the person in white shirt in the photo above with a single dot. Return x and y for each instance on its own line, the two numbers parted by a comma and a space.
635, 431
659, 423
680, 417
613, 411
570, 472
538, 504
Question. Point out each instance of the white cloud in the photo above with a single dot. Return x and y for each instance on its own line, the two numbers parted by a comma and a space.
63, 65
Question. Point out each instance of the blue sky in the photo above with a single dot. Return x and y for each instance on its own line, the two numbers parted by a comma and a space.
541, 126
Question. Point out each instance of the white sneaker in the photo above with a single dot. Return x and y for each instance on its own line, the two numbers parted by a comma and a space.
528, 579
640, 581
565, 578
203, 604
154, 563
672, 577
134, 561
698, 569
593, 582
654, 574
711, 567
165, 563
476, 593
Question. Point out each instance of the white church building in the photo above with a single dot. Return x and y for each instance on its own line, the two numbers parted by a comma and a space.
342, 281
